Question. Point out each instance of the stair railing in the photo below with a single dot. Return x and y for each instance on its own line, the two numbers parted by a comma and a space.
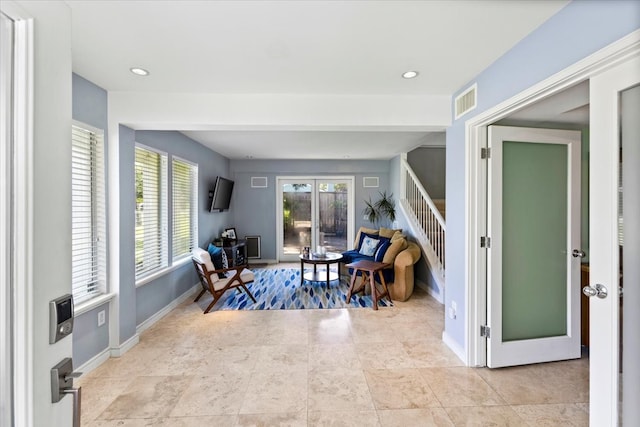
426, 215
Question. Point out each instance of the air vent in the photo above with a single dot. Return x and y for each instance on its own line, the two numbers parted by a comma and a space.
370, 182
258, 182
466, 101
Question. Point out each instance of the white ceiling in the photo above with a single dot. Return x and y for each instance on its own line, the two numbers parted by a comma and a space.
569, 107
326, 48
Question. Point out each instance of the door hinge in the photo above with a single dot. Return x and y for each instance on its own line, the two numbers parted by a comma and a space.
485, 242
485, 331
485, 153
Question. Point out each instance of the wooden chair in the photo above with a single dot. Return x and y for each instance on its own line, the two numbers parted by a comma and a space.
235, 277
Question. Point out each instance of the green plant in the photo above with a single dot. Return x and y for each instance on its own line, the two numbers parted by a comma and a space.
384, 207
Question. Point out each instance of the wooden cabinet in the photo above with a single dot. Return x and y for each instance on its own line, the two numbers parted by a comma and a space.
236, 252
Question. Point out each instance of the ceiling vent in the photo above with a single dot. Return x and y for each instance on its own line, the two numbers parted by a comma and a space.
466, 101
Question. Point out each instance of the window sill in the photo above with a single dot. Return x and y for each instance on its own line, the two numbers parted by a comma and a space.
150, 278
92, 303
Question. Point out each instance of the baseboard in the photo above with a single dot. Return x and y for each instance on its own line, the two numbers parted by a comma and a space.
459, 351
125, 346
438, 296
94, 362
261, 261
167, 309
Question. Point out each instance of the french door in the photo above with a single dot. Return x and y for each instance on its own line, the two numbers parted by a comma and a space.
314, 211
533, 274
615, 243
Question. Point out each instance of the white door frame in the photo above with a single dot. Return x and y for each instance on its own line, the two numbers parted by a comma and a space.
350, 207
22, 174
475, 177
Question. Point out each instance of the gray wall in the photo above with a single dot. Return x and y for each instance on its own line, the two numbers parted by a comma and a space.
429, 165
127, 292
155, 295
254, 209
90, 107
578, 30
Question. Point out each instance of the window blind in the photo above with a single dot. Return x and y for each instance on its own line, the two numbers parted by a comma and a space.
184, 181
88, 220
151, 232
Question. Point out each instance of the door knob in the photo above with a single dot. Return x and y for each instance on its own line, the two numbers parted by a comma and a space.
577, 253
599, 291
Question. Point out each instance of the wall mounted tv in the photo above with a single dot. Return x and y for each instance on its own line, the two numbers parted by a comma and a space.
221, 194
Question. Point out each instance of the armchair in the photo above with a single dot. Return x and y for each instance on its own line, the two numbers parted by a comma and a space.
212, 282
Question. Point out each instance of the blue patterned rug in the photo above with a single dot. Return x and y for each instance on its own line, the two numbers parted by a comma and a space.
280, 289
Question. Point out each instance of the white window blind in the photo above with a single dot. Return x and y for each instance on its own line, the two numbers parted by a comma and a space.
184, 181
88, 221
151, 232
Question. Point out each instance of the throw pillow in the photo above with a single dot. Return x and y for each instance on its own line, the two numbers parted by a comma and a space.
397, 235
394, 249
360, 236
388, 232
218, 256
382, 249
225, 260
369, 246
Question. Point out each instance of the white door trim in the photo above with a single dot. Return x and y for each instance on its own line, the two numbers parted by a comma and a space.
23, 353
475, 177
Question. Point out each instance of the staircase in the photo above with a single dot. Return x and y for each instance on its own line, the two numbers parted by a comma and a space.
426, 218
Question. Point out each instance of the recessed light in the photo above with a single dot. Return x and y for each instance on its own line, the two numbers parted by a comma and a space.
139, 71
410, 74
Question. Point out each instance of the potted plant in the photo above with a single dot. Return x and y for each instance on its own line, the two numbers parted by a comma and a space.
384, 207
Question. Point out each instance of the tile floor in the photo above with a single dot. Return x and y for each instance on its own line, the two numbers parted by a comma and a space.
340, 367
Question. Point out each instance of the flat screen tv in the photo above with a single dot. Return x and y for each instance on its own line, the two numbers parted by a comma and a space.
221, 194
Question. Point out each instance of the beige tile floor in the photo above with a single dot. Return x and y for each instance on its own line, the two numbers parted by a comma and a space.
340, 367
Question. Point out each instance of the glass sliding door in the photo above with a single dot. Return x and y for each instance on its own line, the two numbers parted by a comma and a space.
313, 212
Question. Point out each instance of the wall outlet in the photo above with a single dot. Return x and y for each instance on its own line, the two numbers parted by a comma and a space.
453, 310
101, 318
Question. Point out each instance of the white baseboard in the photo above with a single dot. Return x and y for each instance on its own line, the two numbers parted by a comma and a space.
94, 362
438, 296
125, 346
459, 351
167, 309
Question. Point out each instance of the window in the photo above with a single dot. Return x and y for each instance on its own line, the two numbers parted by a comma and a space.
88, 221
151, 231
184, 181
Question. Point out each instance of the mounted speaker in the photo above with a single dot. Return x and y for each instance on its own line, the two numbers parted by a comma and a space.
253, 246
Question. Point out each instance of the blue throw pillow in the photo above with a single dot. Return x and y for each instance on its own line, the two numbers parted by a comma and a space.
369, 246
362, 236
216, 258
382, 249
